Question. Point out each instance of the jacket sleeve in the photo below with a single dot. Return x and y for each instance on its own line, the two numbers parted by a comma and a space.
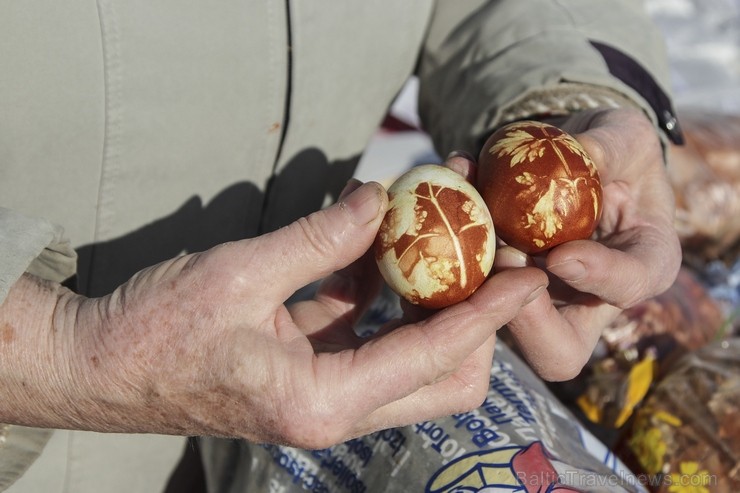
32, 245
486, 63
38, 247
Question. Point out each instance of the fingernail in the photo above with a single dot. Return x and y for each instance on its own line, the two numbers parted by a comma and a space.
352, 185
570, 270
363, 204
534, 294
462, 154
508, 257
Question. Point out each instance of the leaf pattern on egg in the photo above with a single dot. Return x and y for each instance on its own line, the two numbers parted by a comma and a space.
560, 194
436, 243
438, 248
550, 208
522, 146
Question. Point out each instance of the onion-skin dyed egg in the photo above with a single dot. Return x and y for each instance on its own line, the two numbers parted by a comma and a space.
436, 243
540, 185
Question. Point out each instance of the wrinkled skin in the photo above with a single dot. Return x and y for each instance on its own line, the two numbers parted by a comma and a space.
204, 344
636, 253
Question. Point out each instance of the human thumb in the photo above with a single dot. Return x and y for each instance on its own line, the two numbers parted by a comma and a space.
328, 240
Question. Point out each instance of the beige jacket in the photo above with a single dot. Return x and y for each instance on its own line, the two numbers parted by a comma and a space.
134, 131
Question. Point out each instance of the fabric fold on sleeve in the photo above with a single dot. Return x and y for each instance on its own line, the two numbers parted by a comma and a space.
486, 63
20, 446
32, 245
38, 247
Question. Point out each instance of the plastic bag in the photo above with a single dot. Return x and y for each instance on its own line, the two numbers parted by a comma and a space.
520, 440
687, 435
634, 350
705, 175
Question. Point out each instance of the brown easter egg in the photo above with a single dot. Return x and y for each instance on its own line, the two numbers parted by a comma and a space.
436, 243
540, 185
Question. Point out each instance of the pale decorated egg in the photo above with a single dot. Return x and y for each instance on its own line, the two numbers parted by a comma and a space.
540, 185
436, 243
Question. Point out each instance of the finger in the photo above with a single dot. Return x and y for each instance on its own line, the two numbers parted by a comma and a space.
343, 296
340, 302
631, 266
321, 243
462, 391
508, 257
556, 338
463, 164
416, 355
557, 343
638, 218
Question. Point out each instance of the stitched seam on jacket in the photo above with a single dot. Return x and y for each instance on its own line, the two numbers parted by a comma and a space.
110, 165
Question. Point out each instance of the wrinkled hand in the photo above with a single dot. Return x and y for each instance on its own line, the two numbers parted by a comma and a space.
204, 344
636, 254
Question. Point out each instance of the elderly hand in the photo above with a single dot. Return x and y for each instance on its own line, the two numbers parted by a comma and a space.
636, 254
205, 345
